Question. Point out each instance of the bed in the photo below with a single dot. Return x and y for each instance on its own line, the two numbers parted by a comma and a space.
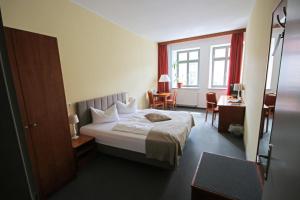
137, 147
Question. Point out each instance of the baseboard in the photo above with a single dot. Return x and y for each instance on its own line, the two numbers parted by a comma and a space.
188, 106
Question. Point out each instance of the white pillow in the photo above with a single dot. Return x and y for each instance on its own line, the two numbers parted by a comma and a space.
127, 108
100, 116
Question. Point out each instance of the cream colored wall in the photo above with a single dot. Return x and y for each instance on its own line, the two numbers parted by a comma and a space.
255, 68
97, 57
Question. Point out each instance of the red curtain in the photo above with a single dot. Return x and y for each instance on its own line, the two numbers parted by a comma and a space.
236, 56
162, 66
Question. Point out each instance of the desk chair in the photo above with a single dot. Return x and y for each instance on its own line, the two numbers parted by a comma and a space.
211, 106
171, 102
270, 100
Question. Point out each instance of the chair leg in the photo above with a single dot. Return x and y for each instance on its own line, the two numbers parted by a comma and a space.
206, 116
267, 128
212, 119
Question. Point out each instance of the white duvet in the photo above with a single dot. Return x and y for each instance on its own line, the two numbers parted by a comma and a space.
137, 123
133, 127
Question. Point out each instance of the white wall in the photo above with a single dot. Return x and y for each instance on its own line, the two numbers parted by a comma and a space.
196, 96
255, 69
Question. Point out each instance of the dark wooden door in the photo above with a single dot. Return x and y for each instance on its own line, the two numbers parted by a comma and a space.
16, 177
38, 77
284, 174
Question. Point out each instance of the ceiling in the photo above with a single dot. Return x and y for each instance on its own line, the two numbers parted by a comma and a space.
162, 20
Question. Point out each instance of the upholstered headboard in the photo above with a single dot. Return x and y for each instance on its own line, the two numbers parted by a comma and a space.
102, 103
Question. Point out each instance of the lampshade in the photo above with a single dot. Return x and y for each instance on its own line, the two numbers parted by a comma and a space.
73, 119
164, 78
237, 87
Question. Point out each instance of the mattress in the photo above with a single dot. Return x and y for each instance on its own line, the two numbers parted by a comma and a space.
123, 140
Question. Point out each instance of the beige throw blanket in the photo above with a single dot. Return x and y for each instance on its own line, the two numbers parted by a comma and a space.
166, 140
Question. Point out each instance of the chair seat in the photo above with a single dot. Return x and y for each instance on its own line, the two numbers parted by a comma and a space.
170, 101
158, 103
215, 110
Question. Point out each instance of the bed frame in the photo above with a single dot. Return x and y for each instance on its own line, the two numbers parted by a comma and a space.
102, 103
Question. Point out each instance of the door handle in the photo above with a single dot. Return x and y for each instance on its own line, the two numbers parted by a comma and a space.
35, 124
31, 125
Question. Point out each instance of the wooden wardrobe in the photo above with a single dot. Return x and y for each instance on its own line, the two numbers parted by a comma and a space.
37, 76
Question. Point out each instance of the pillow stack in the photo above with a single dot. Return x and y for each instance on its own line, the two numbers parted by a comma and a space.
100, 116
112, 113
127, 108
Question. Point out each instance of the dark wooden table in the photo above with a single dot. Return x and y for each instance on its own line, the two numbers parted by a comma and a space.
84, 149
230, 113
223, 178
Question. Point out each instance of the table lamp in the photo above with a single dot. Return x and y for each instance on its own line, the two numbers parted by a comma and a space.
73, 120
163, 79
238, 87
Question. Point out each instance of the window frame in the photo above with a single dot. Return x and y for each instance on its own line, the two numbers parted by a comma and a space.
227, 61
188, 61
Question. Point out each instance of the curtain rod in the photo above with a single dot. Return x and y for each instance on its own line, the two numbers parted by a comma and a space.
202, 36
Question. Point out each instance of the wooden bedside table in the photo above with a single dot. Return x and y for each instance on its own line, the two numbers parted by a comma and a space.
84, 149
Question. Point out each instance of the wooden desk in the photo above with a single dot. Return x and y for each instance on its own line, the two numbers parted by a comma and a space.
223, 178
230, 113
164, 96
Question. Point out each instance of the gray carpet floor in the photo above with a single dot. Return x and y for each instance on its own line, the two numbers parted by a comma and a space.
111, 178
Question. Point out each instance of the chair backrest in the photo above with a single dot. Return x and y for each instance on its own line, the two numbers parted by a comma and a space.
174, 95
150, 96
212, 98
270, 99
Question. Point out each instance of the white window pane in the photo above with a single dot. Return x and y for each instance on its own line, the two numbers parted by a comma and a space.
270, 65
174, 75
220, 52
228, 52
182, 56
182, 73
194, 55
219, 72
228, 62
193, 73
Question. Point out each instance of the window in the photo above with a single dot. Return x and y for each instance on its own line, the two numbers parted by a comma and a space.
270, 65
187, 69
220, 56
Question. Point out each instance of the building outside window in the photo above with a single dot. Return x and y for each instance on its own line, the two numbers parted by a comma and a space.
220, 57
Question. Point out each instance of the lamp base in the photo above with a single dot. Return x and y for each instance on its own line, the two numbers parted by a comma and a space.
239, 95
75, 137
